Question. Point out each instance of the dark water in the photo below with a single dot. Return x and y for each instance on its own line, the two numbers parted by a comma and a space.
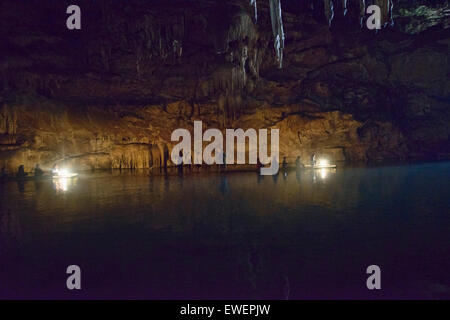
307, 235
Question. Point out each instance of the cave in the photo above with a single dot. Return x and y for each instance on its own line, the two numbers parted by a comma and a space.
99, 87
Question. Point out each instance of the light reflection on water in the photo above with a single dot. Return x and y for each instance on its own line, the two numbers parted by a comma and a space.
63, 184
237, 235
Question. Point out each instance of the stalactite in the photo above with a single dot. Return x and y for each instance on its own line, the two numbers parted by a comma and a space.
177, 49
362, 6
277, 22
156, 39
8, 120
277, 28
243, 61
254, 63
253, 3
386, 7
138, 61
391, 12
105, 53
329, 10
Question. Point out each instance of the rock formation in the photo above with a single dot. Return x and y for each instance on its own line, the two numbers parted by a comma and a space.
109, 95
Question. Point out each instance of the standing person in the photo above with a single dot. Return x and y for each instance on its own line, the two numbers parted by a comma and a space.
259, 165
284, 164
21, 173
224, 158
313, 159
298, 163
56, 169
38, 173
189, 160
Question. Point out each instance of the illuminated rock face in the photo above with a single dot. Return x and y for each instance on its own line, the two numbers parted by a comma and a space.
109, 95
103, 138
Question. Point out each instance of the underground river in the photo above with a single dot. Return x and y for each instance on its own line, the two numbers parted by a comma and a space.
307, 234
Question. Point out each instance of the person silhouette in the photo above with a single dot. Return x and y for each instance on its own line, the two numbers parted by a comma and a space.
21, 173
224, 159
284, 164
313, 159
298, 163
38, 173
55, 169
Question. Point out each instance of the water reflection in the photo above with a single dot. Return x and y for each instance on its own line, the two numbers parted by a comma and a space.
275, 178
10, 227
63, 184
21, 186
229, 235
322, 173
224, 187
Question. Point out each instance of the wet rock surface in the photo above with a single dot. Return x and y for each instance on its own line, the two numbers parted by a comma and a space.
109, 95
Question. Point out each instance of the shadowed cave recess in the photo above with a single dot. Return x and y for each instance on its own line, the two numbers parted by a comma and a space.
110, 95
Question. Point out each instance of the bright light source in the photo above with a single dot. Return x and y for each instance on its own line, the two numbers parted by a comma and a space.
63, 173
323, 162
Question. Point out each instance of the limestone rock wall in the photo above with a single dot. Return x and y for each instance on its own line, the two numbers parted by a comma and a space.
110, 94
115, 138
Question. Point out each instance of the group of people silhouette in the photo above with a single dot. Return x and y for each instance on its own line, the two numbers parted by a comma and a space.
39, 173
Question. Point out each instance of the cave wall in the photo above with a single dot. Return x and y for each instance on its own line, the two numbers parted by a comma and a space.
109, 95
